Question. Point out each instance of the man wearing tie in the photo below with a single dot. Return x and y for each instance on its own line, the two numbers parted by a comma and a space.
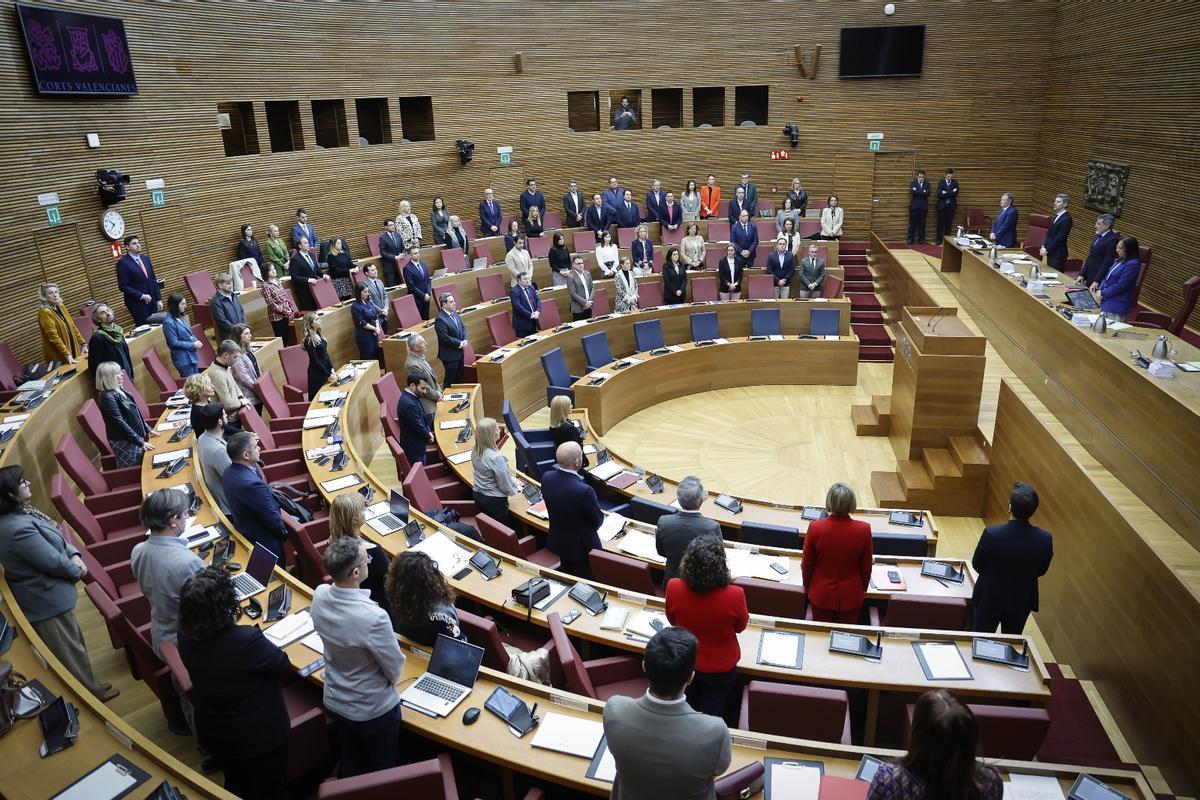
415, 430
136, 280
918, 209
613, 198
744, 237
627, 214
302, 228
654, 202
416, 278
671, 214
532, 197
390, 248
489, 214
781, 266
738, 204
1054, 249
812, 274
574, 207
579, 286
452, 338
947, 204
456, 235
304, 272
751, 192
597, 218
1004, 227
526, 307
1101, 254
377, 294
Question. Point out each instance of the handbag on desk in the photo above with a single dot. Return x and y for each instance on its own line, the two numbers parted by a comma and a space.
743, 784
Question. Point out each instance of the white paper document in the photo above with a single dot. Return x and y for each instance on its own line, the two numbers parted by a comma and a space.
451, 424
162, 459
320, 420
606, 470
606, 770
313, 642
614, 618
571, 735
107, 780
944, 660
556, 591
290, 628
180, 415
744, 564
795, 781
612, 525
780, 649
448, 556
640, 625
337, 484
460, 458
640, 544
1032, 787
330, 395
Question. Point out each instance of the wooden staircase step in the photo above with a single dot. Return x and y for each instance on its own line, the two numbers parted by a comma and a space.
867, 422
939, 463
913, 476
888, 491
882, 405
970, 455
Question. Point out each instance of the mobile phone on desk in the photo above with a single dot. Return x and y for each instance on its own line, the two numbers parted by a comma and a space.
571, 616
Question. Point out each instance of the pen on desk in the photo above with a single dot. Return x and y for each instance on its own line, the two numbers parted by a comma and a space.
942, 582
533, 711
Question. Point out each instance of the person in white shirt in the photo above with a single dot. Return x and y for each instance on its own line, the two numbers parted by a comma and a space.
831, 219
607, 257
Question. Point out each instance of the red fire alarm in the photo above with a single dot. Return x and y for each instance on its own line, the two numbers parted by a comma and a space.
115, 249
780, 155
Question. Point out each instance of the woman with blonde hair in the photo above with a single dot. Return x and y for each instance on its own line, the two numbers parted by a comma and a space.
123, 424
408, 226
108, 340
61, 340
199, 390
642, 251
275, 250
492, 483
562, 427
625, 281
347, 515
691, 248
319, 365
533, 223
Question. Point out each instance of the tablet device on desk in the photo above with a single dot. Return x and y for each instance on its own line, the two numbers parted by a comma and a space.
1088, 788
867, 768
1081, 300
60, 726
532, 493
1000, 652
914, 519
728, 503
486, 565
654, 484
855, 644
942, 571
811, 513
510, 708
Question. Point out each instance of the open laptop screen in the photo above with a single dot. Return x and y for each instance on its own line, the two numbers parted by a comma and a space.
262, 561
398, 505
455, 661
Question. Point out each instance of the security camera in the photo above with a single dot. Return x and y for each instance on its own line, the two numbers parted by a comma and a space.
792, 131
466, 150
111, 185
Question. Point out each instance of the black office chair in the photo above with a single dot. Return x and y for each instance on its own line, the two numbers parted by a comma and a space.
705, 326
770, 535
898, 544
648, 335
647, 511
765, 322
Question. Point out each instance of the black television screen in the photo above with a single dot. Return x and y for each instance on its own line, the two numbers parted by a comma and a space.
892, 51
72, 53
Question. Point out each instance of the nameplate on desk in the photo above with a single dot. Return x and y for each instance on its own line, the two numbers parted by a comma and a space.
116, 734
762, 621
630, 598
161, 459
747, 741
424, 655
568, 702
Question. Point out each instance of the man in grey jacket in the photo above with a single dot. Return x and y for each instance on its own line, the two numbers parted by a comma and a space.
363, 661
676, 531
579, 286
811, 274
663, 748
213, 452
416, 362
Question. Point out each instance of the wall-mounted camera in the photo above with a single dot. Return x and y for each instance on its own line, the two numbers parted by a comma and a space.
792, 131
111, 184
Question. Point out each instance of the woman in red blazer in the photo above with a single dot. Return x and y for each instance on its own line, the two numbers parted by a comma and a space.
837, 560
702, 601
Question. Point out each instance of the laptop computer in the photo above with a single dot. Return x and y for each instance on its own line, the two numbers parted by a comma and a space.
479, 263
395, 517
257, 574
449, 679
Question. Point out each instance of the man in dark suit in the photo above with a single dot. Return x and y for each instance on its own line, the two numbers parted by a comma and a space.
489, 215
918, 208
574, 206
654, 202
744, 236
738, 204
532, 197
614, 196
255, 512
671, 215
137, 282
781, 266
676, 531
456, 236
1004, 226
526, 306
575, 515
624, 117
302, 228
1054, 249
596, 218
1101, 254
1009, 559
628, 215
947, 204
452, 338
751, 192
415, 432
225, 308
304, 272
418, 281
390, 248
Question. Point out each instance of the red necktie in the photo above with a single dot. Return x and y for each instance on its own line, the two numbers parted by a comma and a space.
145, 274
670, 215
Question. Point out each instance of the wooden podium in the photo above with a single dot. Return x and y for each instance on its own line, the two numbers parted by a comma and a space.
937, 380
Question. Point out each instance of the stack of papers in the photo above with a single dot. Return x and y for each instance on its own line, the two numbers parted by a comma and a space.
448, 556
571, 735
330, 395
612, 525
180, 414
640, 624
1032, 787
290, 628
321, 419
1162, 369
640, 544
451, 424
605, 471
744, 564
1083, 320
795, 781
460, 458
161, 459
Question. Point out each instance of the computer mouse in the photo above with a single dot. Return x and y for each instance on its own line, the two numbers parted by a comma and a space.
232, 566
470, 715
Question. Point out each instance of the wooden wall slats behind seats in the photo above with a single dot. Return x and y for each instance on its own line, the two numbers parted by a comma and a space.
1123, 89
188, 59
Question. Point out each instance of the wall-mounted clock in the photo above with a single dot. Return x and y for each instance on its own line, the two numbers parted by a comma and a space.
113, 224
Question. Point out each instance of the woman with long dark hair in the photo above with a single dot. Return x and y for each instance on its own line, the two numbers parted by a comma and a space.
422, 602
177, 330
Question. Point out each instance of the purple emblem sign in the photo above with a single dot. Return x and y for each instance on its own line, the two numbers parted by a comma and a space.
72, 53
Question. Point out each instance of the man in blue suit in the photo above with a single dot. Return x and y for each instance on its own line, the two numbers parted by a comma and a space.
628, 215
751, 192
743, 234
947, 205
1004, 226
252, 507
655, 202
415, 432
614, 197
390, 248
137, 282
671, 214
738, 204
1054, 249
489, 215
526, 306
1009, 559
452, 339
918, 208
597, 218
302, 228
575, 515
418, 281
781, 266
532, 197
1100, 254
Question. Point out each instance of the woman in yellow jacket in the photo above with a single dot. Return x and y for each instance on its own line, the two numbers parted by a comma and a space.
60, 338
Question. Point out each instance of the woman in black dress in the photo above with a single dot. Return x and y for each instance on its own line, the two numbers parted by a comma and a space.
340, 263
319, 365
562, 427
422, 601
675, 279
560, 259
248, 247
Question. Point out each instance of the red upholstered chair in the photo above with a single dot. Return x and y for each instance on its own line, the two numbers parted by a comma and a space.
105, 491
1004, 731
294, 361
808, 228
246, 273
324, 294
976, 221
421, 493
282, 413
503, 538
766, 231
84, 323
773, 598
584, 241
390, 426
482, 250
625, 237
107, 579
501, 328
454, 260
718, 232
599, 678
444, 484
206, 354
168, 384
150, 412
92, 421
373, 243
200, 285
1145, 253
764, 249
428, 780
484, 632
1035, 237
404, 309
309, 541
469, 375
10, 368
672, 237
276, 445
539, 246
650, 294
491, 287
623, 572
507, 218
550, 318
914, 611
1153, 319
387, 390
712, 257
600, 304
437, 292
759, 287
832, 287
703, 289
552, 220
656, 263
803, 712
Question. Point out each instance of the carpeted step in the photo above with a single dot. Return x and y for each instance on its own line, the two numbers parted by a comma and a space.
876, 354
861, 287
866, 317
863, 301
872, 335
854, 248
853, 273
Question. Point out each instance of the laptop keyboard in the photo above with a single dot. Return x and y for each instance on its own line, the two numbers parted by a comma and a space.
245, 584
439, 688
391, 521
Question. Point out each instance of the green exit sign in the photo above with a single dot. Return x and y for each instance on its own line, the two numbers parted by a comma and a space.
506, 158
873, 145
157, 199
53, 216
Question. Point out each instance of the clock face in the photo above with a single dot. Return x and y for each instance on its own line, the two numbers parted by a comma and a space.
113, 224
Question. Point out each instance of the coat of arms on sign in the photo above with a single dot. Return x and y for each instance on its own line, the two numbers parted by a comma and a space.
1105, 190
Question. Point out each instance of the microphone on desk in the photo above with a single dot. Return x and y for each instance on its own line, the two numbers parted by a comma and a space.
931, 325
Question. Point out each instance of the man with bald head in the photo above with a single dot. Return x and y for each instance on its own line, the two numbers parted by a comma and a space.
575, 515
416, 362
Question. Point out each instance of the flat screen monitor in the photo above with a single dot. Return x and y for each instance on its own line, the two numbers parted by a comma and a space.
882, 52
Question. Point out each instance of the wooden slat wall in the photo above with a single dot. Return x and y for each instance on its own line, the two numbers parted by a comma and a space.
190, 60
1123, 88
